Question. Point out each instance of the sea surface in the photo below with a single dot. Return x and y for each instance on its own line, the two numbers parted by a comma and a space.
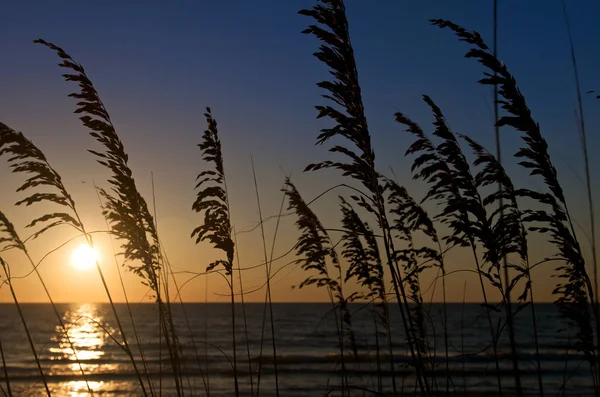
307, 345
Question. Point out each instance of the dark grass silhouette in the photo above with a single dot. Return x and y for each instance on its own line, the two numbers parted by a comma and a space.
213, 203
385, 232
351, 124
318, 253
268, 274
588, 181
574, 288
445, 169
124, 207
8, 390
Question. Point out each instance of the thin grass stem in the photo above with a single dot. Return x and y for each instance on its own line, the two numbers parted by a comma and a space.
8, 391
507, 297
588, 185
269, 302
25, 327
237, 253
126, 297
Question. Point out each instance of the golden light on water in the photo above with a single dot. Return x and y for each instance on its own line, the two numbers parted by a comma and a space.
80, 388
84, 257
85, 342
86, 345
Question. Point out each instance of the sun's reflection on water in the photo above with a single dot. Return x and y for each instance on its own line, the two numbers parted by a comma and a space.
85, 343
80, 389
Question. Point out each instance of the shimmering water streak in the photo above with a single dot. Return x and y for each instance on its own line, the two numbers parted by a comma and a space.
307, 347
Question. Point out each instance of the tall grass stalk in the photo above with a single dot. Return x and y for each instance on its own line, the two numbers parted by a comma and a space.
160, 327
350, 123
203, 375
160, 352
462, 338
412, 217
178, 296
38, 364
268, 302
126, 297
378, 360
364, 264
25, 157
442, 266
270, 266
408, 256
178, 344
317, 250
121, 330
245, 318
166, 314
21, 246
588, 183
509, 231
165, 269
536, 342
508, 306
445, 169
563, 388
575, 289
206, 335
8, 391
496, 238
234, 347
212, 200
126, 210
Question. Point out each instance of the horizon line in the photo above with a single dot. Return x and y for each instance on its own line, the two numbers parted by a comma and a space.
246, 303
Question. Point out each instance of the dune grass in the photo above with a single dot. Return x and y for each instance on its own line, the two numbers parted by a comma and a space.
386, 233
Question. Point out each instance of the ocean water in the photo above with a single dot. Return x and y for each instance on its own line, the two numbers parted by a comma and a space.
308, 360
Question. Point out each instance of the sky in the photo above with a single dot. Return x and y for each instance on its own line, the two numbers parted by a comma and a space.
157, 65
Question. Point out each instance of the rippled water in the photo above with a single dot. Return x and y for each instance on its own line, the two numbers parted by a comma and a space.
306, 342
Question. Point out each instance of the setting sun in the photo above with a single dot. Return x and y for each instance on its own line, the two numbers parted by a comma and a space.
84, 257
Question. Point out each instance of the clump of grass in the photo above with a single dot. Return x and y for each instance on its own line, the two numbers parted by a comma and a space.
447, 187
348, 115
502, 233
412, 267
452, 153
411, 218
509, 232
506, 227
213, 202
446, 168
364, 265
574, 288
127, 302
363, 259
317, 252
125, 208
211, 198
26, 158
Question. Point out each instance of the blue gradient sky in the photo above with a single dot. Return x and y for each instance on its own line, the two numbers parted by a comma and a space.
157, 65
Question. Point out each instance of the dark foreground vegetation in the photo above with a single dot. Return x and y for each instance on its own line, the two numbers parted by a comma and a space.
470, 204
